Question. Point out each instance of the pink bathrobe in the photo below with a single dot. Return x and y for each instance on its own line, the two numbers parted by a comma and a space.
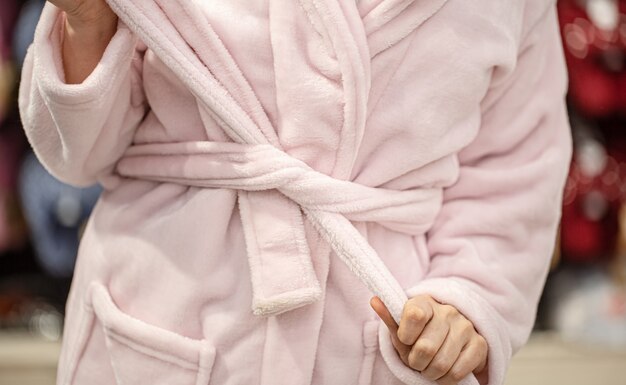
270, 165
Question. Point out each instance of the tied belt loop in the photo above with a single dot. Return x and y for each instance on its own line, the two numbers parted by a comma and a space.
274, 191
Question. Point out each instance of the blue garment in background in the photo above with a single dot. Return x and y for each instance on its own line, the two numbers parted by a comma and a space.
54, 212
25, 29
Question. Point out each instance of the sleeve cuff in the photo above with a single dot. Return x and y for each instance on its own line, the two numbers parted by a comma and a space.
50, 77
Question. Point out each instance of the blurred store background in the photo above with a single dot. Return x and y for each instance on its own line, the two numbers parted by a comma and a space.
580, 335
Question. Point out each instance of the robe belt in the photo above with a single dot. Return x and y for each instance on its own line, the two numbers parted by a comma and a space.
274, 189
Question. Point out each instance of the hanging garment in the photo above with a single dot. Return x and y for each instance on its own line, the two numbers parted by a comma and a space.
269, 165
55, 213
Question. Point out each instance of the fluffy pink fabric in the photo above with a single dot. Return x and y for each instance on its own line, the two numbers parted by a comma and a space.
269, 165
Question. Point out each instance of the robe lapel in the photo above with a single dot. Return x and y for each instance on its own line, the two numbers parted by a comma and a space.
345, 36
150, 22
389, 21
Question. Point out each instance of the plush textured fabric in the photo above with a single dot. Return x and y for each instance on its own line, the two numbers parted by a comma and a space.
269, 165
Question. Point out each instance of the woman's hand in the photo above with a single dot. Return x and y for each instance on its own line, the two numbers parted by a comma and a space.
89, 26
85, 11
435, 339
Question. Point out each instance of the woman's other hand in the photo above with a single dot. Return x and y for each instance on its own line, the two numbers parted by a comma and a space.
435, 339
85, 11
89, 26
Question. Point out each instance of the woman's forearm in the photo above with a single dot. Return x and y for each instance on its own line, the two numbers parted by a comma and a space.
84, 43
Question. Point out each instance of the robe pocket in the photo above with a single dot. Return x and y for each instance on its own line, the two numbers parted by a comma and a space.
370, 350
141, 353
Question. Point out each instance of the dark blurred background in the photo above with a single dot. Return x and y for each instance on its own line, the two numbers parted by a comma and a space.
580, 334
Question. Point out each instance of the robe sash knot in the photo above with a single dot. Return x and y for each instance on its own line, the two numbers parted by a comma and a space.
274, 191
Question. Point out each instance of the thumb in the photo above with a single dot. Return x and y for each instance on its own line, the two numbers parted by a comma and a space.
381, 309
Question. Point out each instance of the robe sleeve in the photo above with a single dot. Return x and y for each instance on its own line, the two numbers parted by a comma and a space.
79, 131
491, 245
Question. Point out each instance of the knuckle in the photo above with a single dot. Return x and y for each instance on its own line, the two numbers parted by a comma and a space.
481, 343
457, 375
448, 311
439, 367
404, 336
466, 327
425, 349
415, 314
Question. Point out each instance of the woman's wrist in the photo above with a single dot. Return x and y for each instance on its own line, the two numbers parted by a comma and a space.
85, 40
